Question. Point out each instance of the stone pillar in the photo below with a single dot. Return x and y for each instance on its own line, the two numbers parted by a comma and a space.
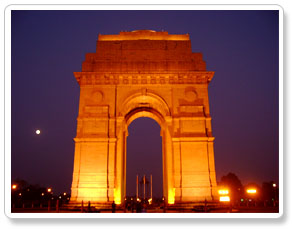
95, 149
90, 171
120, 160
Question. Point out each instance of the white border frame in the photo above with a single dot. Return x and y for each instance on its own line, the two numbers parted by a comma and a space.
7, 102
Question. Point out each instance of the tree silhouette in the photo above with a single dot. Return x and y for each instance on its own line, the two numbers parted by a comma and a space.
232, 182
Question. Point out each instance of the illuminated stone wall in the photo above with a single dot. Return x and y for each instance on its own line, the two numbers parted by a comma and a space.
143, 74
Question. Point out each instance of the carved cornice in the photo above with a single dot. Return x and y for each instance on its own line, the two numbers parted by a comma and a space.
193, 139
97, 78
93, 139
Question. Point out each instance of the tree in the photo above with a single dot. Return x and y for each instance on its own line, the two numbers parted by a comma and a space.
234, 185
270, 191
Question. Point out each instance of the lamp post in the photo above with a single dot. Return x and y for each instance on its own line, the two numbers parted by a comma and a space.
151, 188
251, 192
137, 187
144, 183
275, 195
224, 197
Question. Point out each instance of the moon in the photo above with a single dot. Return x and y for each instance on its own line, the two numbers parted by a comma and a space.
37, 131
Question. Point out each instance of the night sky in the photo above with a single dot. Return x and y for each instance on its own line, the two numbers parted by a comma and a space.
242, 47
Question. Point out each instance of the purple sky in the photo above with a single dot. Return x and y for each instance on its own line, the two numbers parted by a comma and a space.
240, 46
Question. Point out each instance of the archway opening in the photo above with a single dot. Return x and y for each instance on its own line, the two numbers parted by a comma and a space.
144, 157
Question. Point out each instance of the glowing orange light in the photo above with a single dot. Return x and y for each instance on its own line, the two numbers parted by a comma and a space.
274, 185
223, 191
150, 201
171, 196
117, 196
14, 186
43, 194
224, 199
65, 193
251, 191
49, 189
19, 194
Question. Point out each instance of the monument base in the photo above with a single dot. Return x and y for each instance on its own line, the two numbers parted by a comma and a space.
201, 206
88, 205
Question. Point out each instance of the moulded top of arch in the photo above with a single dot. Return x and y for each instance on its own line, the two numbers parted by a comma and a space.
143, 35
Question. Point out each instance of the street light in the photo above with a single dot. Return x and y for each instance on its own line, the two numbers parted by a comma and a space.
251, 191
14, 186
274, 185
224, 199
223, 191
49, 190
150, 201
223, 195
251, 194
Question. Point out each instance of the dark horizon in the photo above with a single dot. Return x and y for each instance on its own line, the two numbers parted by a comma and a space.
242, 47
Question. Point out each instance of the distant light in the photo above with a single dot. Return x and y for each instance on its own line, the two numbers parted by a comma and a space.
65, 193
274, 185
19, 194
14, 186
43, 194
60, 197
241, 200
251, 191
224, 199
223, 191
49, 189
37, 131
150, 201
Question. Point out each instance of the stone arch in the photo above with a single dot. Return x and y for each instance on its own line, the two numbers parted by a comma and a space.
144, 112
150, 105
158, 118
145, 99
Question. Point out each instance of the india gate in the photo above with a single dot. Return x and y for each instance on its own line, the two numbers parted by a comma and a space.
137, 74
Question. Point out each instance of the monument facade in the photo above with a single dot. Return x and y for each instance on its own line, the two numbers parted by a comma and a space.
143, 74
